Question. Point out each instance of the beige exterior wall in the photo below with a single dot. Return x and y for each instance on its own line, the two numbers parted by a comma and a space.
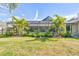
74, 29
78, 28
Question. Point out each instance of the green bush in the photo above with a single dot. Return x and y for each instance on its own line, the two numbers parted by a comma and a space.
1, 36
48, 34
5, 35
25, 34
67, 34
8, 34
31, 34
40, 34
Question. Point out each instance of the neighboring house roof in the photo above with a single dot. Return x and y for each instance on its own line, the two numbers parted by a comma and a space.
73, 20
48, 18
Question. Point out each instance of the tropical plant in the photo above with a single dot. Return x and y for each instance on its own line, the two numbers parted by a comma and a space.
58, 25
20, 25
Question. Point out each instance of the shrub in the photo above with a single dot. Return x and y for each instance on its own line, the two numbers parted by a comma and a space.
29, 34
5, 35
25, 34
40, 34
49, 34
33, 34
67, 34
1, 36
8, 34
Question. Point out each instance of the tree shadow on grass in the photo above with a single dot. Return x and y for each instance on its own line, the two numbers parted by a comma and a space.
53, 40
30, 40
42, 39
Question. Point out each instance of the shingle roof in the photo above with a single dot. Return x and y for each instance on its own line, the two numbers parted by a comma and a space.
48, 18
39, 22
73, 20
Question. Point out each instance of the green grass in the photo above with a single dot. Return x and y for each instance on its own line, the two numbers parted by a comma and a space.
29, 46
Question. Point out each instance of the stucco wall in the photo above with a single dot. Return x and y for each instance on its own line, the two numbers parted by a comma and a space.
78, 28
74, 29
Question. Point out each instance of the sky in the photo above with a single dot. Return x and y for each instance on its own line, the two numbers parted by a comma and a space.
39, 11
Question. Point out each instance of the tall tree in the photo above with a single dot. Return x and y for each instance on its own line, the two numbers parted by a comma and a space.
58, 26
12, 6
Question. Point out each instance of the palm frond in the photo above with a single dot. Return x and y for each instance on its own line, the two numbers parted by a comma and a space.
12, 6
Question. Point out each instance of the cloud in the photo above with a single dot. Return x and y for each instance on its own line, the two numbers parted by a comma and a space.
68, 17
10, 19
3, 14
3, 7
36, 15
23, 15
18, 17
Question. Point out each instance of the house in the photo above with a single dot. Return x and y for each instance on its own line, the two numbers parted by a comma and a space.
73, 26
42, 26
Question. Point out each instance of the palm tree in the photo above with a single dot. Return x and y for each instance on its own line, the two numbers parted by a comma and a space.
9, 6
12, 6
58, 25
20, 25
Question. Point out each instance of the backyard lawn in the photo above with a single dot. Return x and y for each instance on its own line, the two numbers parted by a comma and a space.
29, 46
